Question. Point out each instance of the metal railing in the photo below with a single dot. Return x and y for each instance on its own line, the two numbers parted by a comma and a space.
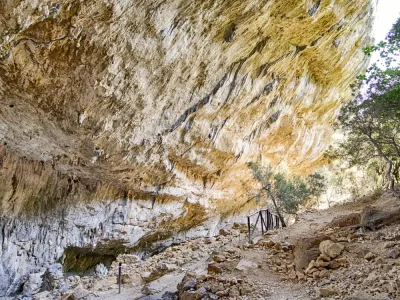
267, 220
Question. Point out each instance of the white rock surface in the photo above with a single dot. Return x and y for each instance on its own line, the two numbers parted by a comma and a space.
33, 284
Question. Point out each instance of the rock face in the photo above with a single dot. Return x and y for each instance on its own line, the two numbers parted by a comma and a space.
117, 117
88, 234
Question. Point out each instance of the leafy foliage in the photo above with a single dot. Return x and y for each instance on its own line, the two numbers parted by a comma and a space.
292, 193
287, 194
316, 184
371, 120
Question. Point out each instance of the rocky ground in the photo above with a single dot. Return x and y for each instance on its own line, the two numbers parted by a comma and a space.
347, 252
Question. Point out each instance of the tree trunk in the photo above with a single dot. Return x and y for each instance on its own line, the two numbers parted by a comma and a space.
328, 200
395, 171
389, 174
281, 219
389, 163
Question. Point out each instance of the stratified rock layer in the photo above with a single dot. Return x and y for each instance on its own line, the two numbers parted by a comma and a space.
160, 103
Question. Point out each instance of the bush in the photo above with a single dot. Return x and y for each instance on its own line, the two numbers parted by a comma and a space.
287, 194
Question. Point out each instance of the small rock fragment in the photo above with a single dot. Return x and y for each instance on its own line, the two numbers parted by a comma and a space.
326, 292
215, 268
245, 264
394, 253
369, 256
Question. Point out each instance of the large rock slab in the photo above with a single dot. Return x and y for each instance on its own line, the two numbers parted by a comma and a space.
352, 219
375, 217
306, 249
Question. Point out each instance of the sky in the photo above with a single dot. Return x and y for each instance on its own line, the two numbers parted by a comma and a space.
387, 12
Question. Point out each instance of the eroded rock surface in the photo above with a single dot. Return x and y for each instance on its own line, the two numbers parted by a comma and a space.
114, 114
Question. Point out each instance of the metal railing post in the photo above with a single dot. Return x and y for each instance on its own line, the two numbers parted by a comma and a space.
248, 228
262, 222
269, 221
272, 222
119, 277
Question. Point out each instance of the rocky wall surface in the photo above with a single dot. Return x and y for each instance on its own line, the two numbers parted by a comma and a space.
83, 236
162, 103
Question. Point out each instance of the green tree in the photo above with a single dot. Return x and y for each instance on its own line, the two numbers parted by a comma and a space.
316, 184
371, 120
286, 194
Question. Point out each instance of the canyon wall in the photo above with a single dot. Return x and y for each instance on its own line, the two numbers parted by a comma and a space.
125, 123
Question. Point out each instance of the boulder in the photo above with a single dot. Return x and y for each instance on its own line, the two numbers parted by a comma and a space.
323, 273
189, 284
33, 284
326, 292
45, 295
346, 220
311, 267
222, 293
128, 258
230, 249
321, 262
51, 277
169, 296
130, 279
146, 290
379, 261
373, 217
337, 263
157, 272
306, 249
371, 279
191, 295
369, 256
300, 275
224, 232
78, 293
389, 245
101, 270
246, 264
394, 253
218, 258
187, 288
331, 249
324, 257
267, 243
214, 268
